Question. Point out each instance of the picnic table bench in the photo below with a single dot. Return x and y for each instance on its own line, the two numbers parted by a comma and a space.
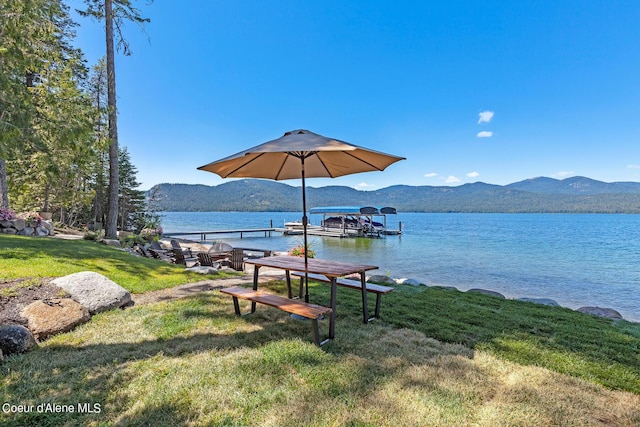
379, 290
311, 311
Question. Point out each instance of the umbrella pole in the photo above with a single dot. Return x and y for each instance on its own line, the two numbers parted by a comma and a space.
304, 227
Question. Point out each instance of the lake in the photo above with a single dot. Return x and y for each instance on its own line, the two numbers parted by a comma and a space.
575, 259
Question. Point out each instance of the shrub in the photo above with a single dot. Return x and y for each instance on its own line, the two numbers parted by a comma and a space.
93, 235
131, 241
31, 216
298, 250
7, 214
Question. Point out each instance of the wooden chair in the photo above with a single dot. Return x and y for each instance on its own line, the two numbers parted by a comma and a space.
175, 245
180, 258
205, 260
156, 246
237, 259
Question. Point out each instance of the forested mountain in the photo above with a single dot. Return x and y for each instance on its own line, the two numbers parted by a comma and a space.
544, 195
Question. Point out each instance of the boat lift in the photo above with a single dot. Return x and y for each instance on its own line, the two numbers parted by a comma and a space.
355, 220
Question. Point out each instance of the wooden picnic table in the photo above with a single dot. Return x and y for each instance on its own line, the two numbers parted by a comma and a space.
331, 269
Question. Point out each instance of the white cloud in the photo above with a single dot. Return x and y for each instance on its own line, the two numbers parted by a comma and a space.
633, 166
364, 185
430, 175
452, 179
563, 174
473, 174
485, 117
485, 134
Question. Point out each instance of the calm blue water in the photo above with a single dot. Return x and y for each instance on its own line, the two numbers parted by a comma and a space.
576, 260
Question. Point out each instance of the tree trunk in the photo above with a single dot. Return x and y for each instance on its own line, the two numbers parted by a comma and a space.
111, 229
4, 192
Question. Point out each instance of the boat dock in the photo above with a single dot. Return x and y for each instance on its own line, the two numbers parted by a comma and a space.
353, 221
337, 222
203, 234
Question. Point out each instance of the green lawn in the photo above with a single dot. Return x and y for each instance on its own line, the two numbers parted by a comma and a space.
22, 257
437, 357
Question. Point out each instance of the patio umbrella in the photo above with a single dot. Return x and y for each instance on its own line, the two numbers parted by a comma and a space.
301, 154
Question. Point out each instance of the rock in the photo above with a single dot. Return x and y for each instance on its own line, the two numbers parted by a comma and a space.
609, 313
48, 225
203, 269
111, 242
25, 231
543, 301
16, 339
446, 288
412, 282
94, 291
50, 317
6, 224
486, 292
379, 278
1, 356
41, 232
19, 224
9, 230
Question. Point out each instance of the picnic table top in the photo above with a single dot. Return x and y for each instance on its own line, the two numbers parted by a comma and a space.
314, 265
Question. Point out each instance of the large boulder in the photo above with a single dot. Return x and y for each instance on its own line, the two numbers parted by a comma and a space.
16, 339
609, 313
381, 279
26, 231
94, 291
543, 301
486, 292
50, 317
203, 269
404, 281
41, 232
19, 224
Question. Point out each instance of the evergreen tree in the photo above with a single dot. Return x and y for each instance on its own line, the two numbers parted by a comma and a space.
114, 13
45, 119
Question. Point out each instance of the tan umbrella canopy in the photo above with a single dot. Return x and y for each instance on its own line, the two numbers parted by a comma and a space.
300, 154
280, 159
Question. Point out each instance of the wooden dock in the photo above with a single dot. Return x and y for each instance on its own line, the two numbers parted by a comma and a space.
203, 234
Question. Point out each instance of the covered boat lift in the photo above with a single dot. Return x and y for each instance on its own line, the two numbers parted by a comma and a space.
355, 220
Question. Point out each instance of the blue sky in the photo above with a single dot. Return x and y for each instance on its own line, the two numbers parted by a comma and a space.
467, 91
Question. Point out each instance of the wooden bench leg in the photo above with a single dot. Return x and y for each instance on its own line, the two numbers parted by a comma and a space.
332, 316
236, 306
301, 290
287, 274
365, 307
256, 268
316, 332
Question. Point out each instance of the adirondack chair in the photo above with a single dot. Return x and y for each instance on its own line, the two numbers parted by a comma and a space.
205, 260
175, 245
180, 258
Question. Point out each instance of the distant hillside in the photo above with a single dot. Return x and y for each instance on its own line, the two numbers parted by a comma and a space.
578, 185
537, 195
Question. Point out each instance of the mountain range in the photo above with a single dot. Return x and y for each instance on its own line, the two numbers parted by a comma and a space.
536, 195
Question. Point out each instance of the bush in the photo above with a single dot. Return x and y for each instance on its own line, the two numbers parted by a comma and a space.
132, 240
7, 214
93, 235
298, 250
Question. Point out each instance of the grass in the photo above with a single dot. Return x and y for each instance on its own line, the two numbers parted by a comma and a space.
27, 257
437, 357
